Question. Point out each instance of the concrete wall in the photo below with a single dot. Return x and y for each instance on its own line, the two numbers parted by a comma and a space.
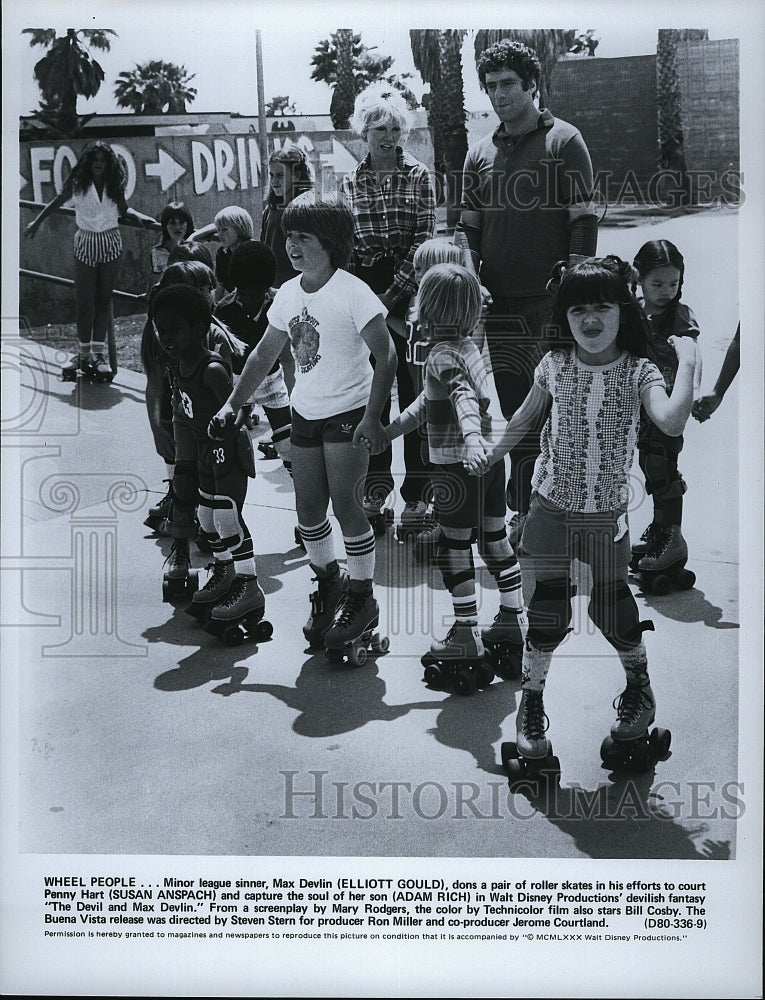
206, 169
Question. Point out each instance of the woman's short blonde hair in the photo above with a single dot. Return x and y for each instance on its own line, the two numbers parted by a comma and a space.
380, 104
449, 302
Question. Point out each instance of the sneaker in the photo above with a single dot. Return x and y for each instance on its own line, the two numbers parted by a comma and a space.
414, 512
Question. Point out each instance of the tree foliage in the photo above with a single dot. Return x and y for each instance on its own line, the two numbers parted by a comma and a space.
344, 63
280, 105
437, 55
67, 71
155, 88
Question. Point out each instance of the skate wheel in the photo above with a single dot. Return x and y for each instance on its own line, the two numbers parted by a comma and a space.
610, 754
551, 770
661, 584
380, 645
166, 592
484, 675
685, 579
334, 655
465, 683
641, 757
192, 582
508, 752
433, 676
357, 656
263, 631
659, 741
233, 635
515, 773
378, 527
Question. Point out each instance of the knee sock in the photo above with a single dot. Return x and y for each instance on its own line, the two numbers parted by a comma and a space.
536, 663
635, 663
319, 543
98, 347
360, 550
465, 607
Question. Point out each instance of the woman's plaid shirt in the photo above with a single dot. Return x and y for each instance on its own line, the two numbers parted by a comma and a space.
391, 219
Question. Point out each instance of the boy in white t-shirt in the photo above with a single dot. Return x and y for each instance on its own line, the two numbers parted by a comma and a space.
333, 322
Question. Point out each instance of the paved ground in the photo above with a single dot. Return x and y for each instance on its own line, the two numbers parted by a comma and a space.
141, 734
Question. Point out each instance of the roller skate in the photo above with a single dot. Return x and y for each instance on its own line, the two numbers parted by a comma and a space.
414, 519
180, 579
216, 588
503, 641
529, 761
458, 662
77, 363
267, 449
352, 636
160, 512
101, 369
240, 614
377, 514
663, 567
646, 543
630, 746
333, 583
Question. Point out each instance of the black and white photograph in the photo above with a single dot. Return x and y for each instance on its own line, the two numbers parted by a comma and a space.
382, 498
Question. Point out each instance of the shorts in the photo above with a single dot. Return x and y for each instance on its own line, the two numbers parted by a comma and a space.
462, 500
554, 536
220, 469
97, 248
337, 429
272, 391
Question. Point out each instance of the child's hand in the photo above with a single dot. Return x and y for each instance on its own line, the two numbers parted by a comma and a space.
217, 425
475, 457
704, 408
371, 435
685, 348
486, 302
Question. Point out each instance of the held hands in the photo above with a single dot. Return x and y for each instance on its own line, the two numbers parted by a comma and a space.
476, 459
217, 426
486, 302
704, 408
371, 434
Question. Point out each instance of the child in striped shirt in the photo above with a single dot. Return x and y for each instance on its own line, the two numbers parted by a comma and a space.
455, 405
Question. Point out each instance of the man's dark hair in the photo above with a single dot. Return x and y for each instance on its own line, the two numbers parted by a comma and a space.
507, 54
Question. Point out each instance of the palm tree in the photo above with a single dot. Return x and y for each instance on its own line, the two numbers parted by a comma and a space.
437, 57
548, 44
67, 71
348, 66
668, 102
155, 88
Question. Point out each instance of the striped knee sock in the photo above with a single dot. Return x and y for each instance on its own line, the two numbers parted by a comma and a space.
319, 543
360, 550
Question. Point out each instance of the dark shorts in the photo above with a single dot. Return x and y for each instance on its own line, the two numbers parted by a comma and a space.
462, 500
220, 469
552, 537
337, 429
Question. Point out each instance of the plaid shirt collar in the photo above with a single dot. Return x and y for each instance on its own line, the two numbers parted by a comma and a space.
402, 163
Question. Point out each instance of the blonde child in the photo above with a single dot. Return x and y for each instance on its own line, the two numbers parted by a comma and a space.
455, 404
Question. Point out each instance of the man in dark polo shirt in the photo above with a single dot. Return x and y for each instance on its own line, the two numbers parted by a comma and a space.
525, 206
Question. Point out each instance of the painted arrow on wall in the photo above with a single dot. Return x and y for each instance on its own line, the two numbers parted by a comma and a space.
166, 168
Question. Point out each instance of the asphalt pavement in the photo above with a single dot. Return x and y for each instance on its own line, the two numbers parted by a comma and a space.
139, 733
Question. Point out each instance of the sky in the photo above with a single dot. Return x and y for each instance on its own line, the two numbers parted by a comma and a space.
216, 42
